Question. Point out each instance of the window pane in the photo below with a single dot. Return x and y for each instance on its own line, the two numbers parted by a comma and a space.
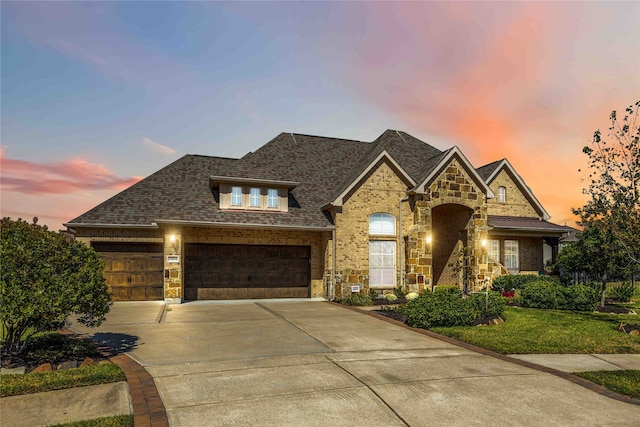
236, 196
493, 250
272, 198
382, 263
255, 197
502, 194
511, 255
382, 224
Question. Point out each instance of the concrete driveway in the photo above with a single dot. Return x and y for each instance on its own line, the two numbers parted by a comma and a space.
315, 363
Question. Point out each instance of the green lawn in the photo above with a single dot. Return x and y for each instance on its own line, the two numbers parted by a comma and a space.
12, 385
551, 331
115, 421
623, 382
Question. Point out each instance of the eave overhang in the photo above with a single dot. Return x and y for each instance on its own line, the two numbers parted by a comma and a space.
214, 181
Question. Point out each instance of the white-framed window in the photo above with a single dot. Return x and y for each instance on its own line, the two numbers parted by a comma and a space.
502, 194
382, 223
236, 196
254, 197
493, 250
382, 263
511, 255
272, 198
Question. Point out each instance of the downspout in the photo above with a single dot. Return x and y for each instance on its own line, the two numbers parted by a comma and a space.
401, 243
332, 285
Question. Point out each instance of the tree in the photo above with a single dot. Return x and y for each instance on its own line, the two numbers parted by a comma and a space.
46, 276
613, 185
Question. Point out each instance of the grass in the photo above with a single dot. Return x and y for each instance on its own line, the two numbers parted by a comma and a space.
528, 331
115, 421
623, 382
103, 373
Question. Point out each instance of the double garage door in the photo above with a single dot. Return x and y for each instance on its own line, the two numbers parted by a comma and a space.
246, 271
133, 271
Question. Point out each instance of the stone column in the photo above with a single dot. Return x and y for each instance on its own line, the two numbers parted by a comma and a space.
173, 265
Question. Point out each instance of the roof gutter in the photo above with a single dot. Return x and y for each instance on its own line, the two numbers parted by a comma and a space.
153, 225
245, 225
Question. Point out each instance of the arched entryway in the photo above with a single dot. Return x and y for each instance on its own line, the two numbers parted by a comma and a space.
450, 237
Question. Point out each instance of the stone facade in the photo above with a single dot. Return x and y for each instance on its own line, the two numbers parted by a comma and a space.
515, 204
452, 215
380, 192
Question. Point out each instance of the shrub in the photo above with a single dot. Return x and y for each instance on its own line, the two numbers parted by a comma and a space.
397, 291
356, 299
443, 308
411, 295
373, 294
542, 294
489, 305
622, 293
391, 297
580, 298
518, 281
46, 276
448, 289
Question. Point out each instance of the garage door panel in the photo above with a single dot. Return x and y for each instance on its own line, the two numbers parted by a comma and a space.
133, 271
246, 271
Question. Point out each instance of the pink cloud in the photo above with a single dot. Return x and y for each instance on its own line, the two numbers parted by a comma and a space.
526, 81
58, 178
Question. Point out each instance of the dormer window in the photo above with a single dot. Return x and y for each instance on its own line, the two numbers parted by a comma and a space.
272, 198
236, 196
254, 197
248, 194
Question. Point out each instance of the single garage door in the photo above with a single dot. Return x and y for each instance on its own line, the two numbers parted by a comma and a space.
133, 271
246, 271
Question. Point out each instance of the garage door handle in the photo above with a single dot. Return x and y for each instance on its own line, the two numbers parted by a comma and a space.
128, 279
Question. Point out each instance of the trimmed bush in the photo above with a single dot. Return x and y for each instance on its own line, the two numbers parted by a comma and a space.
447, 307
443, 308
448, 289
490, 306
518, 281
580, 298
411, 295
390, 297
622, 293
356, 299
543, 294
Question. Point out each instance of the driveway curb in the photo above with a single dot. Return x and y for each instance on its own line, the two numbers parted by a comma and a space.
565, 375
148, 409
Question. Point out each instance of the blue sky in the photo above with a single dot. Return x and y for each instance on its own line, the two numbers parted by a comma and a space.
96, 95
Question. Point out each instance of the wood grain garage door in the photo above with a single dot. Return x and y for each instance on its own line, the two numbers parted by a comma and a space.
246, 271
133, 271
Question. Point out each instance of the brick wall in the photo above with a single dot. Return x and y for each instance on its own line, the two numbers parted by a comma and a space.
380, 192
516, 204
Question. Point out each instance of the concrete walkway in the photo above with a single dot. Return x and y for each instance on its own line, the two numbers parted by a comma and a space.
317, 363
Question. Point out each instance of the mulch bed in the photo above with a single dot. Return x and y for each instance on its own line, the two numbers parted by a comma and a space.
614, 309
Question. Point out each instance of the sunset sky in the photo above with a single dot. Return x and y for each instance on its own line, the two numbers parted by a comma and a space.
97, 95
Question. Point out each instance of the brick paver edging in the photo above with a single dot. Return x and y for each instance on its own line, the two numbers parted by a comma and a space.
148, 409
566, 375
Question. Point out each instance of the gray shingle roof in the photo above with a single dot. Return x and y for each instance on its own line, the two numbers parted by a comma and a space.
158, 195
322, 168
486, 170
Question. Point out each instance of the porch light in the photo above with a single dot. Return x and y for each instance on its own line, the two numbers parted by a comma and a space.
172, 238
429, 240
483, 242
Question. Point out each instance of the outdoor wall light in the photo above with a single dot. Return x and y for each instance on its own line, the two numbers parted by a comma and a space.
429, 240
172, 238
483, 242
